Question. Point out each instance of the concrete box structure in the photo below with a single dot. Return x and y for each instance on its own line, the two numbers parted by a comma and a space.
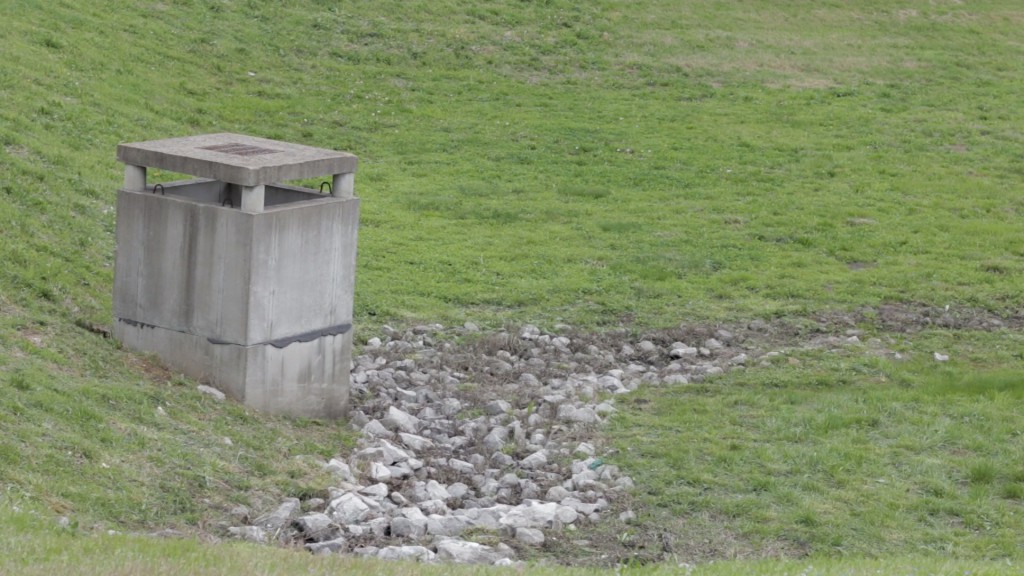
236, 278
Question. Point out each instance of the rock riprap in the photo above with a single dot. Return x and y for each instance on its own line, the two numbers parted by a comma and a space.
494, 435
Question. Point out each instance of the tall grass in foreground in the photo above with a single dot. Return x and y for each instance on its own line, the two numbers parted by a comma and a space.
28, 548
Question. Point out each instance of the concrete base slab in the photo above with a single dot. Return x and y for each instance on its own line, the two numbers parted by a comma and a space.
304, 379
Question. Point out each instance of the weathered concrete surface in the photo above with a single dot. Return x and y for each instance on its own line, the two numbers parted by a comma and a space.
306, 379
236, 279
236, 158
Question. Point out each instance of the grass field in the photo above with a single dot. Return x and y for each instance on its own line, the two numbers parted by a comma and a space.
606, 164
851, 455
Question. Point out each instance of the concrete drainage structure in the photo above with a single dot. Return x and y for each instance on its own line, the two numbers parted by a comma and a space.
235, 278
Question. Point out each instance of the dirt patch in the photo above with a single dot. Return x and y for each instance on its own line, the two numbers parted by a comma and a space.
151, 366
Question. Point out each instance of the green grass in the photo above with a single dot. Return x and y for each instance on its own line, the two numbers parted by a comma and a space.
28, 547
843, 455
133, 447
597, 163
604, 164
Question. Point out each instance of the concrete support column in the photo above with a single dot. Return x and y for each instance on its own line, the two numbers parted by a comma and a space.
134, 178
252, 199
344, 185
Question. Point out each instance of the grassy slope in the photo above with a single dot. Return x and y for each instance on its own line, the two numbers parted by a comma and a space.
651, 162
600, 163
846, 454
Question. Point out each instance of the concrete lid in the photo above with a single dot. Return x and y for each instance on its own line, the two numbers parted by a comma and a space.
235, 158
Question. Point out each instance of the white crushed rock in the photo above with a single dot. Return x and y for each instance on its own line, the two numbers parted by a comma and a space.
497, 435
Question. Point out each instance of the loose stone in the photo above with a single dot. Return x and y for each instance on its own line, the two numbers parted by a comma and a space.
375, 429
405, 528
348, 509
496, 407
529, 536
535, 460
212, 392
379, 472
418, 553
462, 552
487, 446
397, 420
317, 527
334, 546
281, 516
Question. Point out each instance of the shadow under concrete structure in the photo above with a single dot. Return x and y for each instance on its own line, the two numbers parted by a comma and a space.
236, 278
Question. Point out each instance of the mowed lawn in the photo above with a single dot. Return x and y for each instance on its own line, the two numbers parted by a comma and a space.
604, 164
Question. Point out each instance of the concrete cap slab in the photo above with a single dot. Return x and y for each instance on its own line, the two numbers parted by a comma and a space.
236, 158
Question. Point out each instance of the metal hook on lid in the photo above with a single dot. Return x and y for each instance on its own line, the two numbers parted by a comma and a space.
329, 189
159, 187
